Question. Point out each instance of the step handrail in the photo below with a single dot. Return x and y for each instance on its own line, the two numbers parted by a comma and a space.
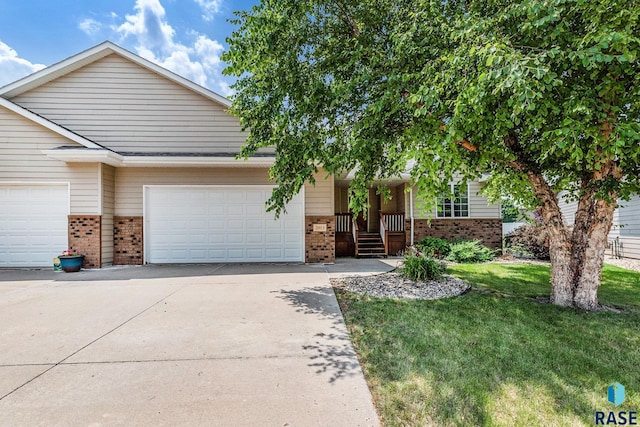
384, 234
354, 232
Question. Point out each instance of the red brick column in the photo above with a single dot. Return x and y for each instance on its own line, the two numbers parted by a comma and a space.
320, 246
127, 240
85, 236
489, 231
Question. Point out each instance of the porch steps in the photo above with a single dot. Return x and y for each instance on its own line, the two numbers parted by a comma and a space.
370, 245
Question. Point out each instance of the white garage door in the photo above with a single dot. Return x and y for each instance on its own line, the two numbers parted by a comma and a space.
187, 224
33, 224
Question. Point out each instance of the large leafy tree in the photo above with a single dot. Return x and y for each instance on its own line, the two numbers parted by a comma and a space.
543, 95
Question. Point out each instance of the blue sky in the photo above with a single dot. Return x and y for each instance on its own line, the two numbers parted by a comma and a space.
185, 36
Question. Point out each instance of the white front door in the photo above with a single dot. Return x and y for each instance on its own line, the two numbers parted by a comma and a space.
193, 224
33, 223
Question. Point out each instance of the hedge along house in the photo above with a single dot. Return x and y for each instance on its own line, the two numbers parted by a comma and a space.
118, 158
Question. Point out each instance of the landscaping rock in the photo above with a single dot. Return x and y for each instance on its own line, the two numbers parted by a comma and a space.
392, 285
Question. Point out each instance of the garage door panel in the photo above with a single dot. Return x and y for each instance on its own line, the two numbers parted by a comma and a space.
236, 254
278, 239
229, 225
254, 239
33, 223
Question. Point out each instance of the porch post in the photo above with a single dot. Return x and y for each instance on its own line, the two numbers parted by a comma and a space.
411, 211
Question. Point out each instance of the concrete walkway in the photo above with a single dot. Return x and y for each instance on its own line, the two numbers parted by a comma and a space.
228, 345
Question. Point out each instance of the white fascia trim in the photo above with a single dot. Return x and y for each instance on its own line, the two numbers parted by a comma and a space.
118, 160
51, 72
143, 161
94, 54
484, 178
85, 156
47, 124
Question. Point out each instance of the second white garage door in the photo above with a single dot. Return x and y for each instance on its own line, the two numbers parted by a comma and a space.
193, 224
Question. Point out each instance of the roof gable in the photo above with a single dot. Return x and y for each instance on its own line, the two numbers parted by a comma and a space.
35, 118
92, 55
126, 104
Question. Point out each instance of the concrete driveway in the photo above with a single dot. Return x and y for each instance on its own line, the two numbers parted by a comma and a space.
238, 345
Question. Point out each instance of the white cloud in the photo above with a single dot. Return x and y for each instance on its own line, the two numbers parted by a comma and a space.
210, 51
155, 40
13, 67
209, 8
149, 25
90, 27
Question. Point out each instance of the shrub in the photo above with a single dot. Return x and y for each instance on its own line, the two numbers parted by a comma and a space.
434, 246
468, 251
419, 266
528, 239
519, 250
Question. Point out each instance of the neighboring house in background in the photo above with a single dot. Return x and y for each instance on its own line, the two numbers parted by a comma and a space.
624, 237
116, 157
625, 232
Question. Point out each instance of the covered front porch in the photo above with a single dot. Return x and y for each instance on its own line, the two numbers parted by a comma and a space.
378, 232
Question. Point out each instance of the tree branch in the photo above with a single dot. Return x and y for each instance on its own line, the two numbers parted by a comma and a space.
355, 30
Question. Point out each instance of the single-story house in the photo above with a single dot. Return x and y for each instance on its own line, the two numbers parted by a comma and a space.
129, 163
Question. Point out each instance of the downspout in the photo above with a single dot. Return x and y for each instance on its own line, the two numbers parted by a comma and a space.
411, 211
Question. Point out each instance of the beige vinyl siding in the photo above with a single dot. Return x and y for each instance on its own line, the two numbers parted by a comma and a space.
320, 199
341, 198
21, 160
401, 197
130, 182
128, 108
108, 207
389, 205
479, 206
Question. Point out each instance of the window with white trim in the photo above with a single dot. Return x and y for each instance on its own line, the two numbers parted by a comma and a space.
456, 206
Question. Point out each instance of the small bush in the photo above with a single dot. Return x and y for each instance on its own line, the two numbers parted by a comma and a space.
434, 246
419, 267
469, 251
519, 250
528, 239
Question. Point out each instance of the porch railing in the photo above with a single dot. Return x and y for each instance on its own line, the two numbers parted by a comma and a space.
393, 221
343, 222
391, 224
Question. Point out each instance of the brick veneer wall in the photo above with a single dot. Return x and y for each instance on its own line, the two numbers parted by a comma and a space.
487, 230
85, 236
127, 240
320, 246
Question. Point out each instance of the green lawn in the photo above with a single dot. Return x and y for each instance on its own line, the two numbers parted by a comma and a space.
497, 356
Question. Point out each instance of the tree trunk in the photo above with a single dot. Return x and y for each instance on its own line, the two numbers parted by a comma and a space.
562, 283
576, 262
562, 276
580, 235
587, 283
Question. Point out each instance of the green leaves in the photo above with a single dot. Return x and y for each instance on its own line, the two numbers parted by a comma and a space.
367, 86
